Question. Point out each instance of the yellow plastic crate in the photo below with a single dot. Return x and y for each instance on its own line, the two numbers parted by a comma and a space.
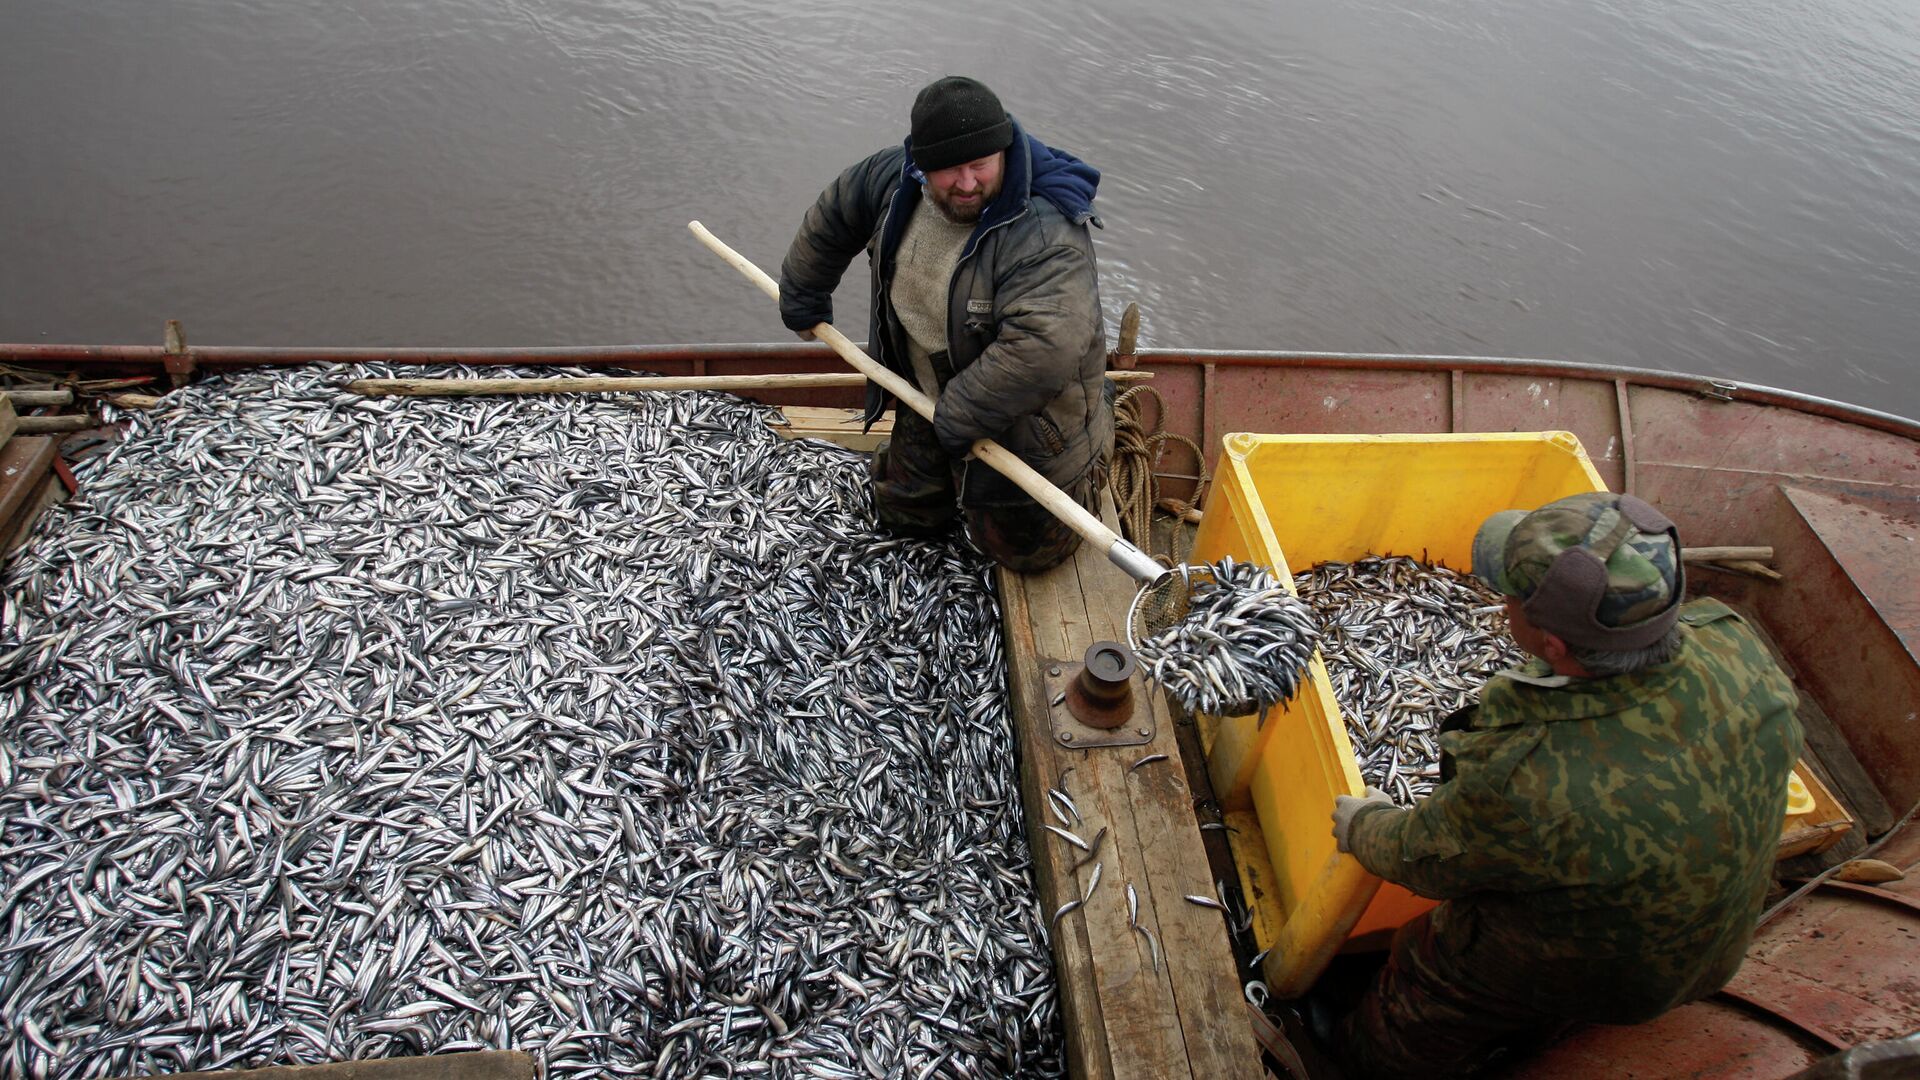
1289, 502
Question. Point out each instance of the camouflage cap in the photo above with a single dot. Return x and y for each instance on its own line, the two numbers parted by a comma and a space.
1598, 570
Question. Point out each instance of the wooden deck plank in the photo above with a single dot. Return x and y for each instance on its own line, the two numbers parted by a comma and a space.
1137, 1009
839, 426
1142, 1013
474, 1065
1199, 967
1128, 1018
15, 532
1039, 768
24, 461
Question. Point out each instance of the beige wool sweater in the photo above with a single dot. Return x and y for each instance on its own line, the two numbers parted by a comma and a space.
923, 274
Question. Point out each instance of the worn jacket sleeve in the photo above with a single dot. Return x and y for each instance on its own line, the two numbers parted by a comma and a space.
1049, 316
835, 229
1461, 839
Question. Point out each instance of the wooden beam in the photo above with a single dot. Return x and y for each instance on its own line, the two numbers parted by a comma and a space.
24, 461
1088, 1055
16, 530
839, 426
1127, 1011
473, 1065
1726, 554
28, 399
55, 425
600, 384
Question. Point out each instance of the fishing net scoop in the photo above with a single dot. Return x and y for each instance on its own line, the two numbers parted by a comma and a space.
1225, 639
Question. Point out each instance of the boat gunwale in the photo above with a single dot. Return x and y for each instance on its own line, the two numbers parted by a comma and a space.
240, 356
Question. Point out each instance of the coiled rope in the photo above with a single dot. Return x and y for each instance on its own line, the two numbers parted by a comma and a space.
1137, 453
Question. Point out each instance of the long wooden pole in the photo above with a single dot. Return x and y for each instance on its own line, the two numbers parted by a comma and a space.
53, 425
33, 398
592, 384
1135, 562
1722, 554
597, 384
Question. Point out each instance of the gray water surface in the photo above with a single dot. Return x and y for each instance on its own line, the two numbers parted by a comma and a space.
1729, 189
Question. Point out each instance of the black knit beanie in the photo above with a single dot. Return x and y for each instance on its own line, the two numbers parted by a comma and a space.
956, 120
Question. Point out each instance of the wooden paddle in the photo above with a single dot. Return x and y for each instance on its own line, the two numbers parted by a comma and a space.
1138, 564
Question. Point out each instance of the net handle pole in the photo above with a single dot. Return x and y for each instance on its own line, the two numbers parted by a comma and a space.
1138, 564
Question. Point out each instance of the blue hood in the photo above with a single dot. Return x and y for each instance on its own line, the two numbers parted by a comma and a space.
1064, 180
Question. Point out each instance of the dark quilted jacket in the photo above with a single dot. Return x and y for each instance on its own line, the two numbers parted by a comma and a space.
1024, 329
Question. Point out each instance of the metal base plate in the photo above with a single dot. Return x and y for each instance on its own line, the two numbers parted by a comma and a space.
1070, 732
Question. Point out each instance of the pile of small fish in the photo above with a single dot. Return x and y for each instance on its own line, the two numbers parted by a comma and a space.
606, 728
1242, 646
1405, 644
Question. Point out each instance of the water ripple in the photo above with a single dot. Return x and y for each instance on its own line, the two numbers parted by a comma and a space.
1702, 185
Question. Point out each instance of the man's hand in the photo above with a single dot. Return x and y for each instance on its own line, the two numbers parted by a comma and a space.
1347, 807
805, 335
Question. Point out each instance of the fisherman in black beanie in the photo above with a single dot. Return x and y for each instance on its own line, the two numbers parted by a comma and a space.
987, 297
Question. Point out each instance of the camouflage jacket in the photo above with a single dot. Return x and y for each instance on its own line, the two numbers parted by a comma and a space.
1605, 844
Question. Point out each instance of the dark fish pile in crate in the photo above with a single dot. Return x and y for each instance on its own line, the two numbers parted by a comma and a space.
1405, 645
605, 728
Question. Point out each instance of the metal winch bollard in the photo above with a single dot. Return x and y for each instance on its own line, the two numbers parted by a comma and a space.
1093, 703
1101, 696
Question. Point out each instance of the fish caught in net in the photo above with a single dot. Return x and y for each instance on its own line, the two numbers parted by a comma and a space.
1239, 644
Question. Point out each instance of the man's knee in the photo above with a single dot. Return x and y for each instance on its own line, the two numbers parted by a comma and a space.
915, 522
1024, 538
909, 498
1033, 560
1413, 1021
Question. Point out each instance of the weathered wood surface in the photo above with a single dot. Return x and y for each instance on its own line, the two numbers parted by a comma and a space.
838, 426
27, 399
1725, 554
56, 425
15, 531
136, 401
9, 421
24, 462
599, 384
1124, 1016
602, 384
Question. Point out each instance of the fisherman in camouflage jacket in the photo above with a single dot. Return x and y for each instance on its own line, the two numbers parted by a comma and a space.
1605, 837
985, 294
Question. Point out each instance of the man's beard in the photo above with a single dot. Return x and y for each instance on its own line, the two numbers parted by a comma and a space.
957, 215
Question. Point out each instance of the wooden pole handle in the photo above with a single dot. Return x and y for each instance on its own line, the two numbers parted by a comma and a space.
598, 384
601, 384
1722, 554
1123, 554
